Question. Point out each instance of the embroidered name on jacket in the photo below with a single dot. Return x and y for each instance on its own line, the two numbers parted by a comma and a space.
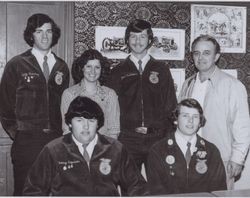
128, 75
29, 76
68, 164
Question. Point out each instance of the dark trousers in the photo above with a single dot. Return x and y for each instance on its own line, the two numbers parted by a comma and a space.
26, 147
138, 145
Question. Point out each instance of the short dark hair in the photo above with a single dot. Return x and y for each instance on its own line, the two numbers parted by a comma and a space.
84, 107
80, 62
191, 103
206, 38
37, 20
139, 25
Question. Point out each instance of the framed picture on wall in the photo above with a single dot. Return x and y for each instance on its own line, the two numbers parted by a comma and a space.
168, 44
179, 78
226, 23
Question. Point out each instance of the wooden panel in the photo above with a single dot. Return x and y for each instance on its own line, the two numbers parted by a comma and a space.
6, 177
17, 15
13, 18
2, 48
2, 37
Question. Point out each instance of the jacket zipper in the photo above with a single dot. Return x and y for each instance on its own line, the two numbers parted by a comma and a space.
47, 92
142, 104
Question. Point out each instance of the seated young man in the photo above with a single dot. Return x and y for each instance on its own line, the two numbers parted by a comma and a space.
183, 162
84, 163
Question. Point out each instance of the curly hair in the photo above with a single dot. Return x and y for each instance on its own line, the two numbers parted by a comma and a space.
81, 61
84, 107
37, 20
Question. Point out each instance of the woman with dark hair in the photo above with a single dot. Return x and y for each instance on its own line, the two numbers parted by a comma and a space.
88, 72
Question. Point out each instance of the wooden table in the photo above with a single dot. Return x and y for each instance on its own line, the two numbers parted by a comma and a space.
199, 194
232, 193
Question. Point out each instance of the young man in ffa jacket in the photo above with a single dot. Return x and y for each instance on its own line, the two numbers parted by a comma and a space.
30, 95
84, 163
183, 162
145, 91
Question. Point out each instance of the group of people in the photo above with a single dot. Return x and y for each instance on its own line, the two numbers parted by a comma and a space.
92, 138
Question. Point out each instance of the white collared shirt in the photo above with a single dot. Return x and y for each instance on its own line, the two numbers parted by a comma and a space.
199, 93
89, 148
144, 60
199, 90
39, 57
182, 142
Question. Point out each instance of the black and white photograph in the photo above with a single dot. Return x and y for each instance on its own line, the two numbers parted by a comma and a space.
124, 98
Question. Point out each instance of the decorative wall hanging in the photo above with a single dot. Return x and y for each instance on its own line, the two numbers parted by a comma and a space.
168, 44
226, 23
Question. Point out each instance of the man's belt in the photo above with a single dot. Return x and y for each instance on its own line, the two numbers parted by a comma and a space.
143, 130
148, 130
47, 131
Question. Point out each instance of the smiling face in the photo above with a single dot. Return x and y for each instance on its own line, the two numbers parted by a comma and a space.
43, 38
84, 130
204, 56
188, 121
138, 43
92, 70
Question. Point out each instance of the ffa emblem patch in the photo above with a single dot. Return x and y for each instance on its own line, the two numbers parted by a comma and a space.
59, 78
154, 77
105, 167
170, 159
201, 166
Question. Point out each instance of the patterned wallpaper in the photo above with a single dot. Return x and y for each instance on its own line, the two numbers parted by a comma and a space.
176, 15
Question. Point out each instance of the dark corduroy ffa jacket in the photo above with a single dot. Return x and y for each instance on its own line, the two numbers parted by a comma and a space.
27, 101
150, 98
61, 170
167, 176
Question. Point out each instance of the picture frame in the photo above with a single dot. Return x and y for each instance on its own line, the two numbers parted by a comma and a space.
227, 24
168, 44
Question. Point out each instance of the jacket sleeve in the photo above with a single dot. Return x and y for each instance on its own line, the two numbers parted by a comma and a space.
113, 115
113, 80
8, 88
217, 180
131, 180
40, 175
239, 114
170, 100
155, 175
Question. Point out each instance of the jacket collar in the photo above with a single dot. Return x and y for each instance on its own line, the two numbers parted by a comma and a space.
213, 79
101, 147
31, 59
